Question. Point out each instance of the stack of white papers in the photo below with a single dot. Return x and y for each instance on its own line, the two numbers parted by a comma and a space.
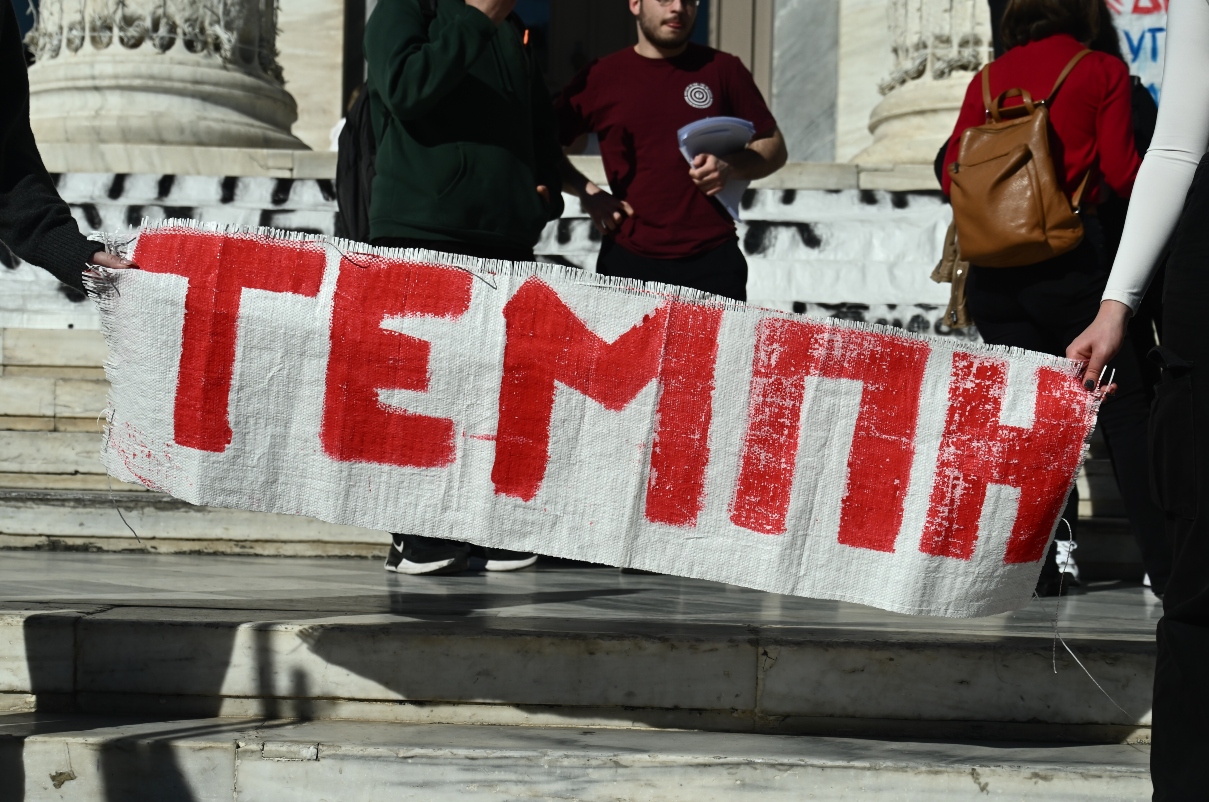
718, 136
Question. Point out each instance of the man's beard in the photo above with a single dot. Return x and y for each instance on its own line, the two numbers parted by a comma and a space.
655, 33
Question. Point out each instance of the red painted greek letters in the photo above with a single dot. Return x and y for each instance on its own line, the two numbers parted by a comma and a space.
675, 489
548, 344
976, 450
891, 370
219, 269
366, 358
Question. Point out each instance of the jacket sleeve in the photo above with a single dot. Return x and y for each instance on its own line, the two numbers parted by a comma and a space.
35, 223
409, 71
1181, 138
972, 114
546, 149
1119, 160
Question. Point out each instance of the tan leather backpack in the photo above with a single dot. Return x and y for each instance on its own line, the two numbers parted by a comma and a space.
1008, 202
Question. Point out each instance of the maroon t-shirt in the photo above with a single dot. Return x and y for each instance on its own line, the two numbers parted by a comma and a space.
636, 105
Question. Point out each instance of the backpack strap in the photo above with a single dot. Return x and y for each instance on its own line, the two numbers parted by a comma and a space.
1077, 198
1070, 65
986, 88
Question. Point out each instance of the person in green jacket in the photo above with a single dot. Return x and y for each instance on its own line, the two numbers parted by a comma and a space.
468, 162
468, 153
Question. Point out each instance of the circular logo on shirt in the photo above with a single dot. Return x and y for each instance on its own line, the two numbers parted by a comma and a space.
698, 96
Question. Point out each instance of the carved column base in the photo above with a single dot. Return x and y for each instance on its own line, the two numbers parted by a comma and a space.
911, 123
159, 72
141, 97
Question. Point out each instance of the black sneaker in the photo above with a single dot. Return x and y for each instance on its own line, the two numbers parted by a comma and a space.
416, 554
1058, 578
492, 559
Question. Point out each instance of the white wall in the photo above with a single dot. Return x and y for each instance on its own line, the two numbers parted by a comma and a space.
805, 49
311, 41
864, 60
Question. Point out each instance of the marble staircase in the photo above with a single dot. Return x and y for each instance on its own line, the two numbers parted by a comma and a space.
137, 676
95, 758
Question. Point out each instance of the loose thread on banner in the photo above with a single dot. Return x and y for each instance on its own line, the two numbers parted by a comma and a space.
113, 499
1059, 639
344, 255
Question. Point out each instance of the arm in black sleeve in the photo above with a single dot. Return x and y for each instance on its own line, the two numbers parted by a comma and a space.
547, 153
411, 72
35, 223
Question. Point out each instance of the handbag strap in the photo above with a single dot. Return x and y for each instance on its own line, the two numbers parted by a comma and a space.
1077, 198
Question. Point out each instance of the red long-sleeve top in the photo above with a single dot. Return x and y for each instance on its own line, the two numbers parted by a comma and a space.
1091, 115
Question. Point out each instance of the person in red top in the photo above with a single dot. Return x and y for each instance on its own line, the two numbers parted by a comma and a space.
661, 222
1043, 307
1091, 116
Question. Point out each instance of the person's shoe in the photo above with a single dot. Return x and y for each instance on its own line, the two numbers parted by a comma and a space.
415, 554
1055, 579
1065, 558
492, 559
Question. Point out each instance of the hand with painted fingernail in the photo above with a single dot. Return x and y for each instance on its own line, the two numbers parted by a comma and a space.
1100, 342
112, 261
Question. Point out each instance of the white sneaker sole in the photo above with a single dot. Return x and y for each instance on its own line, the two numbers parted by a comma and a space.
413, 569
509, 565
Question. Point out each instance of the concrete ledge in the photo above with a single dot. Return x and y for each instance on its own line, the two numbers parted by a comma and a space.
183, 160
63, 520
811, 175
266, 761
899, 177
451, 653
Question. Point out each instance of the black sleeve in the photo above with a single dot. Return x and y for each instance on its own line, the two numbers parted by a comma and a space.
546, 150
35, 223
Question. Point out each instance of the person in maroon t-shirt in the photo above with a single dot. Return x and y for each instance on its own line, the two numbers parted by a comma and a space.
662, 223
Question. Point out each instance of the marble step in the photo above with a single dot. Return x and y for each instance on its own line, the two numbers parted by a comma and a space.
66, 503
340, 639
84, 759
61, 353
108, 517
46, 403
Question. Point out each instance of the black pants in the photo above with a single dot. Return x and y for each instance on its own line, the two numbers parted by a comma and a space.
1180, 447
465, 249
722, 271
1043, 308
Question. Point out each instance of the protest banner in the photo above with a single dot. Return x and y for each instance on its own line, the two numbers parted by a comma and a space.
542, 408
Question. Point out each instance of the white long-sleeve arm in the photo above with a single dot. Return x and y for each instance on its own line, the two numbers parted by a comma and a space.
1181, 138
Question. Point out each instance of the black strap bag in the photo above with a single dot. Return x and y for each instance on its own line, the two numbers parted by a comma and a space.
358, 150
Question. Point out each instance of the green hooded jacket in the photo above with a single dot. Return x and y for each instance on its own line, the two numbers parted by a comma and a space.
465, 129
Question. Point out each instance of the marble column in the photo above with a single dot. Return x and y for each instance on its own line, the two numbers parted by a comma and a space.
938, 46
159, 72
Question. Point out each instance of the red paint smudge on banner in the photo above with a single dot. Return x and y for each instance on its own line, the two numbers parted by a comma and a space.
976, 450
219, 267
366, 358
891, 370
547, 344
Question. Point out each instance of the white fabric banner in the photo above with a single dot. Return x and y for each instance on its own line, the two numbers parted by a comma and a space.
541, 408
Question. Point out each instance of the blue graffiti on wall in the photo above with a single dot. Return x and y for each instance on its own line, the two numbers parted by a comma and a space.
1145, 54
